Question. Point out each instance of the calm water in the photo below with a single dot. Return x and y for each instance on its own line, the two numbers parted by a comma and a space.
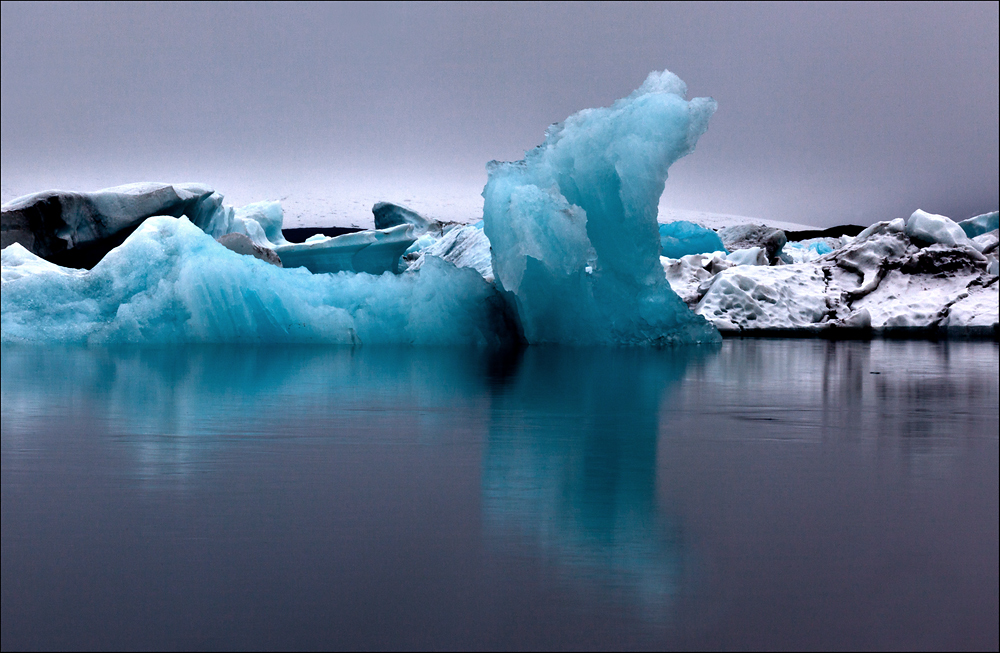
765, 493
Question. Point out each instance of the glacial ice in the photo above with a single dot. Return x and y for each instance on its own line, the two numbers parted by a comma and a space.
748, 236
932, 228
170, 282
373, 252
389, 215
575, 243
806, 251
778, 297
881, 280
465, 247
568, 252
748, 256
981, 224
687, 273
79, 228
681, 238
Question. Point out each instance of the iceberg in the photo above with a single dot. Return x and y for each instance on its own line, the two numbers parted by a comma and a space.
575, 242
785, 297
170, 282
981, 224
687, 274
883, 281
681, 238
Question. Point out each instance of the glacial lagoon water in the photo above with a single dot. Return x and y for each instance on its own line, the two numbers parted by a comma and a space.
754, 494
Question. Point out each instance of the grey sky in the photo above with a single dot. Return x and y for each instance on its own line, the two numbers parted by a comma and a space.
827, 113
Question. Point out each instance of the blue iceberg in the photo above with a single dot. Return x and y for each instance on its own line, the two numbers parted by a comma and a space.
171, 282
569, 240
573, 227
682, 238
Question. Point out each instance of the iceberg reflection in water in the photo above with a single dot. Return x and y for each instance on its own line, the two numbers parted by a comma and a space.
753, 494
583, 491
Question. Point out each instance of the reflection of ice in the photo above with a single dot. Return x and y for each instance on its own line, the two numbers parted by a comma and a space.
919, 399
175, 408
584, 490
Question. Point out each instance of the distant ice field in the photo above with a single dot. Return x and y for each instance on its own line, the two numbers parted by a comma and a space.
341, 201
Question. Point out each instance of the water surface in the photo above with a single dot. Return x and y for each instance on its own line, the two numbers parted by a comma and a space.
765, 493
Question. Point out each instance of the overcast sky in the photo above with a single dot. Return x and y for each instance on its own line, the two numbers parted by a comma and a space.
827, 113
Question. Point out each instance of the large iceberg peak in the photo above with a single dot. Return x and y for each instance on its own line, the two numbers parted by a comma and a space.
573, 225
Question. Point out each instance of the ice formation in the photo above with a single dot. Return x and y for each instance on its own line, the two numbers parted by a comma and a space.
981, 224
465, 247
389, 215
373, 252
747, 236
809, 250
681, 238
242, 244
748, 256
930, 228
883, 280
573, 228
79, 228
171, 282
568, 252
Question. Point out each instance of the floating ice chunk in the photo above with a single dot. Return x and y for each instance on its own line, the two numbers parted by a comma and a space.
981, 224
759, 297
931, 228
750, 256
170, 282
373, 252
681, 238
464, 247
573, 225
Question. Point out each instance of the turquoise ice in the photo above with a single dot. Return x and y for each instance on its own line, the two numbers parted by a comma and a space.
171, 282
573, 225
681, 238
